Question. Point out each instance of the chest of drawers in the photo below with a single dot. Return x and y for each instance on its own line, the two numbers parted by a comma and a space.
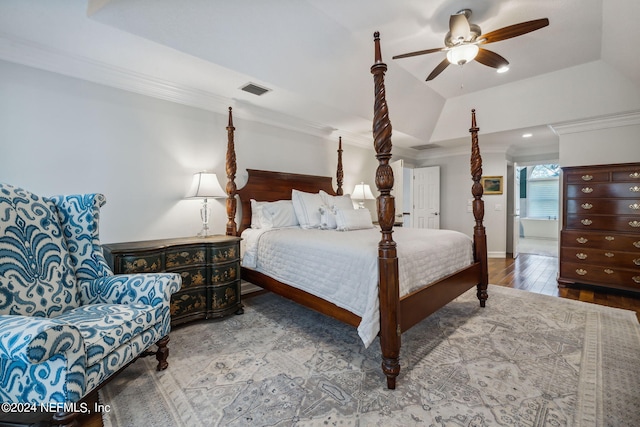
209, 267
600, 238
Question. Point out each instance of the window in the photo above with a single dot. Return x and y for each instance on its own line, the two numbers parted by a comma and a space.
543, 192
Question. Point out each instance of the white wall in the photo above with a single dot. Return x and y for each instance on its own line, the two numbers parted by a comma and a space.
455, 193
600, 141
60, 135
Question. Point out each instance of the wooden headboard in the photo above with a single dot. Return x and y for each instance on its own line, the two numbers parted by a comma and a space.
268, 186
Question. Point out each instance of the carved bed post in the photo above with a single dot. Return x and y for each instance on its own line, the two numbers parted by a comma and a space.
232, 228
479, 234
339, 173
387, 256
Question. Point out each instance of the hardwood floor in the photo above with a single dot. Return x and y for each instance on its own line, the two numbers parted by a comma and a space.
536, 273
533, 273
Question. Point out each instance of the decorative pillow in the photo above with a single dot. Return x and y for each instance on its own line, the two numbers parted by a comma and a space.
307, 208
336, 202
327, 218
353, 219
278, 214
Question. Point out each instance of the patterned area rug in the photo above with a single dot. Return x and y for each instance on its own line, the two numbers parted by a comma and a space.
524, 360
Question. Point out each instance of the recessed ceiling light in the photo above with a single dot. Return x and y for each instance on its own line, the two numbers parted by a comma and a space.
502, 69
527, 135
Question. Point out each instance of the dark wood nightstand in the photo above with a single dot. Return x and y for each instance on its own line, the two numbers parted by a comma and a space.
209, 266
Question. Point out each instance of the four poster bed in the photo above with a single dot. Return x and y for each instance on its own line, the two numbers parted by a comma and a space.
392, 307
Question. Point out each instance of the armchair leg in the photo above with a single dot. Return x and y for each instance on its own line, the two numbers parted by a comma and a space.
66, 419
162, 353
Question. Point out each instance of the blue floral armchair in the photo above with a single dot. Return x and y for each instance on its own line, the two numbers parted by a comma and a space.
67, 323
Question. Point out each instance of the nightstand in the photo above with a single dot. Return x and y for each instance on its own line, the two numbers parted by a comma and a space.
209, 266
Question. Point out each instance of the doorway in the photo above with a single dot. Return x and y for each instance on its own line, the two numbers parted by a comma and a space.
538, 197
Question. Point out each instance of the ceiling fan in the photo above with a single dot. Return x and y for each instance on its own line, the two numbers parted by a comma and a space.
463, 41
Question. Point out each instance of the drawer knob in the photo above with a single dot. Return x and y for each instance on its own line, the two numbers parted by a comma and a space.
589, 222
609, 254
608, 271
610, 238
581, 271
634, 206
586, 205
636, 261
581, 256
634, 224
634, 175
587, 190
587, 177
582, 240
634, 189
636, 279
637, 244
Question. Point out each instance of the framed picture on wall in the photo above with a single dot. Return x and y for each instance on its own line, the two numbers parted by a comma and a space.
492, 184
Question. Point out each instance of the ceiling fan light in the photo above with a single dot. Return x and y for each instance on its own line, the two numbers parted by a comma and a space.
462, 54
503, 69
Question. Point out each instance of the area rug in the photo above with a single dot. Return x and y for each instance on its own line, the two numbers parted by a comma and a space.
524, 360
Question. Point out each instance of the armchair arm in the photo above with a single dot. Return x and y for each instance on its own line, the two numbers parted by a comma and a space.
37, 339
151, 289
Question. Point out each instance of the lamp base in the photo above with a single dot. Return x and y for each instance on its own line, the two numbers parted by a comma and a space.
204, 232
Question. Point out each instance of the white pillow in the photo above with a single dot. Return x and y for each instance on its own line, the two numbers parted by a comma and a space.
327, 218
278, 214
256, 213
307, 208
353, 219
336, 202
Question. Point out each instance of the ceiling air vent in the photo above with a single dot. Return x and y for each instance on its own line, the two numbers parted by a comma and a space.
255, 89
424, 147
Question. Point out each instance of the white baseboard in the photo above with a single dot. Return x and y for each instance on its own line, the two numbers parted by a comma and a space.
247, 288
496, 254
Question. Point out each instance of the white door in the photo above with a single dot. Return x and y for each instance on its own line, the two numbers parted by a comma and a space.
516, 209
426, 197
398, 188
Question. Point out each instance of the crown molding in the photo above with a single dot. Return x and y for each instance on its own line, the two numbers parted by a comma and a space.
31, 54
598, 123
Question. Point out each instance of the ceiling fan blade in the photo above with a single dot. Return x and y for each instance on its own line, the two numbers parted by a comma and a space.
459, 27
419, 52
491, 59
514, 30
439, 68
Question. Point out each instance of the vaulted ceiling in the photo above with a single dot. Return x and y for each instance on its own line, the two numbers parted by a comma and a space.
314, 57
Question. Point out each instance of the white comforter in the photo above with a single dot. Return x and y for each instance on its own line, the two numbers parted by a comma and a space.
342, 267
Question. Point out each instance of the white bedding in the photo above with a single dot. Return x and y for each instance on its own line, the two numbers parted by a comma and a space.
342, 267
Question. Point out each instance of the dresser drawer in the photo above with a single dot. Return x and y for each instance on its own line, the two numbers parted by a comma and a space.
604, 190
631, 175
605, 241
604, 206
192, 277
185, 256
618, 277
139, 263
602, 222
601, 257
224, 297
586, 177
224, 254
225, 273
188, 304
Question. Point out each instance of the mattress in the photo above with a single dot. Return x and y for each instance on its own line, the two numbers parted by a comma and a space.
342, 267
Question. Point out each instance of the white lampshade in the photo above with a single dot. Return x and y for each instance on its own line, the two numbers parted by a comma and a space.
362, 192
205, 185
462, 54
